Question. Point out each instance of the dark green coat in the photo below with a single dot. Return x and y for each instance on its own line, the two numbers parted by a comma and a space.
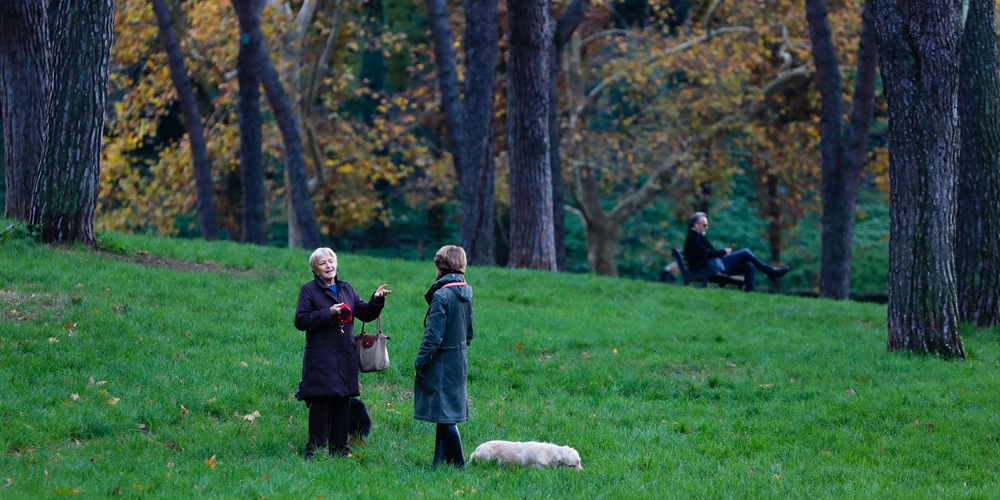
439, 393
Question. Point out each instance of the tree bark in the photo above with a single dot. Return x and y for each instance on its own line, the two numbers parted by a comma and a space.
531, 223
478, 208
919, 46
192, 121
842, 164
977, 254
566, 24
25, 85
295, 163
290, 57
251, 166
447, 72
65, 196
598, 227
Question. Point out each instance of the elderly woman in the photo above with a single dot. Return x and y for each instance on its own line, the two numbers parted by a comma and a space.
326, 310
441, 366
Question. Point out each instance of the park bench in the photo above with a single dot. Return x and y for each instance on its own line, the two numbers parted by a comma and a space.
707, 275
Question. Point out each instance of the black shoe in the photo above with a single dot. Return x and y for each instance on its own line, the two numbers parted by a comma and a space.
310, 454
776, 274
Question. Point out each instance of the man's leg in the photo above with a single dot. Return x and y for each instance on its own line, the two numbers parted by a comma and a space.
738, 259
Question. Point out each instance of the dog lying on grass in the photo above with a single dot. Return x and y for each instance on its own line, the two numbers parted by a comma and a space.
529, 454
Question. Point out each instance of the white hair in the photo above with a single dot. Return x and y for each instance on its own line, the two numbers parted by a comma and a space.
318, 254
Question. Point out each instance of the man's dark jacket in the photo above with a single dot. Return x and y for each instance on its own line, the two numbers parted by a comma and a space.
330, 362
697, 251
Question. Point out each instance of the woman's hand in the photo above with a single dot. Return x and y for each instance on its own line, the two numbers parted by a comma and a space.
335, 310
382, 291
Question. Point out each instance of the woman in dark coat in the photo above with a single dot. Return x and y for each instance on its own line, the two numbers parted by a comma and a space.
441, 366
326, 310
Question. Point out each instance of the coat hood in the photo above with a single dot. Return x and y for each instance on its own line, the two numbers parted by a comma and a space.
464, 292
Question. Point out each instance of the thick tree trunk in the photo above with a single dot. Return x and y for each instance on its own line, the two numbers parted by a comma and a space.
531, 224
919, 42
478, 210
447, 73
251, 167
566, 24
295, 163
842, 165
25, 85
65, 197
977, 254
773, 219
192, 121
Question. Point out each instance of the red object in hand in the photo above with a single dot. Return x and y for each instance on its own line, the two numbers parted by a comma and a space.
346, 315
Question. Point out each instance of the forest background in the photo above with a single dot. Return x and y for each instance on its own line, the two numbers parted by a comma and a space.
635, 77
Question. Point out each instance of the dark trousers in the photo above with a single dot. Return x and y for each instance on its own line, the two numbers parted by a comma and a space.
744, 262
448, 446
329, 421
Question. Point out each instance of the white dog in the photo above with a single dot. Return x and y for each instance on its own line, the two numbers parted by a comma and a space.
529, 454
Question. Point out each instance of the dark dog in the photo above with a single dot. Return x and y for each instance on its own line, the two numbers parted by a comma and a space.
360, 424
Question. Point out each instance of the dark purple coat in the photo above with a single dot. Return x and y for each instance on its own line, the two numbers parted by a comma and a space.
330, 362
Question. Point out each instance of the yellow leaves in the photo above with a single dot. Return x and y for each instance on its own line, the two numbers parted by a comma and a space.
615, 350
251, 416
184, 411
210, 462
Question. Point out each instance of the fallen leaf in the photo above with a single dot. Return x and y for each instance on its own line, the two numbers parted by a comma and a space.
46, 476
824, 452
74, 396
585, 355
184, 411
114, 400
101, 382
849, 391
520, 346
243, 364
53, 340
616, 351
211, 463
91, 383
69, 326
252, 416
732, 365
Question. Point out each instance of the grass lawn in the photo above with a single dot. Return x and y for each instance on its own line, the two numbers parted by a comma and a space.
666, 391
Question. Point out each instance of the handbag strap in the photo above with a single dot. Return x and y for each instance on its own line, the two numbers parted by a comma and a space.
428, 313
378, 325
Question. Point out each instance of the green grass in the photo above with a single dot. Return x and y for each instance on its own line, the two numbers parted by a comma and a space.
665, 391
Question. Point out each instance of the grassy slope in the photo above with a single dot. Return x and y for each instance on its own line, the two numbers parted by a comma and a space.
712, 393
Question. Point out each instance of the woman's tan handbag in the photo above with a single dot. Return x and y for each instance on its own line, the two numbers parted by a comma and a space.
372, 349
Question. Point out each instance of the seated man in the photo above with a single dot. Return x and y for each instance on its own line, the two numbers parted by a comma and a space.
700, 254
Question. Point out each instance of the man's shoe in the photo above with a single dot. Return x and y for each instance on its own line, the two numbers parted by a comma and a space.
778, 273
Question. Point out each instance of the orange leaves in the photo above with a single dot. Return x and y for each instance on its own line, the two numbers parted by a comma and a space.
210, 462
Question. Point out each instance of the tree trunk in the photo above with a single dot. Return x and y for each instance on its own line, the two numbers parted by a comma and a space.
565, 26
295, 163
478, 210
531, 224
290, 57
978, 238
919, 47
447, 73
251, 167
773, 219
842, 165
599, 228
65, 197
25, 85
192, 121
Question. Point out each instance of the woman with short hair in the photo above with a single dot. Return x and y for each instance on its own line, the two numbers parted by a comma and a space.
326, 310
441, 365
